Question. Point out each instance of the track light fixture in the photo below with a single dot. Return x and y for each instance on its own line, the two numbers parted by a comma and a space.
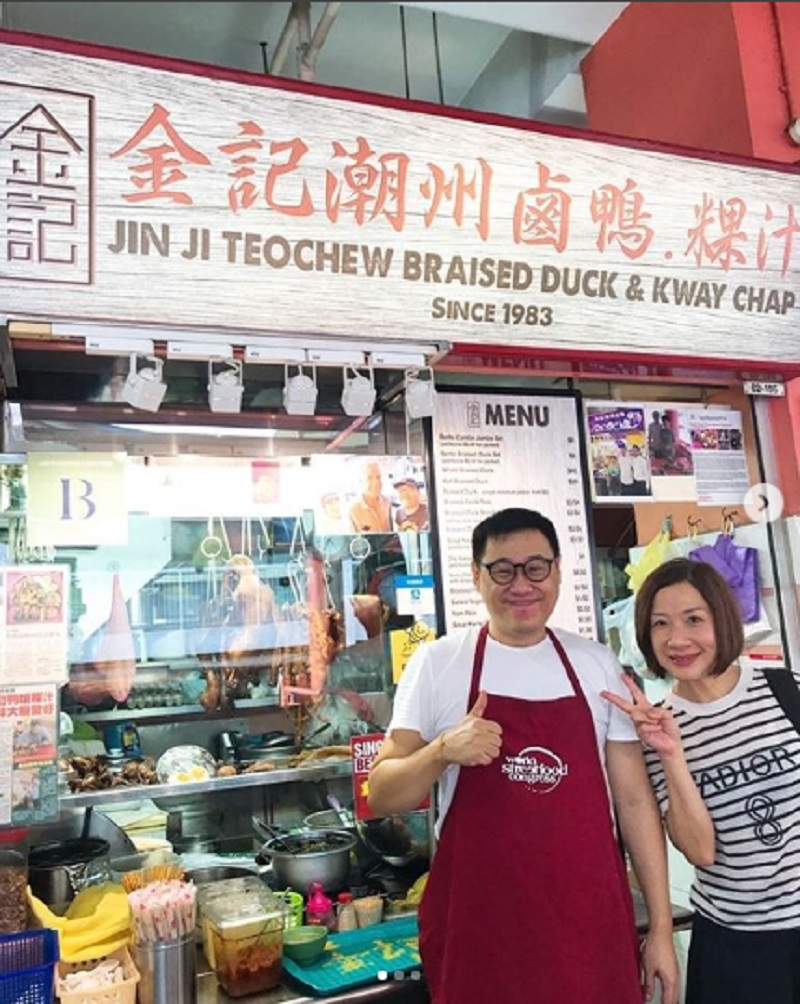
225, 387
358, 393
144, 388
300, 391
420, 393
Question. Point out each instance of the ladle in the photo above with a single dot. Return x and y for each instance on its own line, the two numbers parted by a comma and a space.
270, 833
340, 811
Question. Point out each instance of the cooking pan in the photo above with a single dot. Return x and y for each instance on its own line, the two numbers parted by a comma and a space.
399, 840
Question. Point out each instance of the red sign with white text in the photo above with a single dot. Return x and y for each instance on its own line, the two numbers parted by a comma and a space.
363, 750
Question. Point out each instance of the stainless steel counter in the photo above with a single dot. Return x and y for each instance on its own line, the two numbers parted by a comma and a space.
406, 991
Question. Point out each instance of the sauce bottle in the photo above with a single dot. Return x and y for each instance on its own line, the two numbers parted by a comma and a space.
346, 913
319, 908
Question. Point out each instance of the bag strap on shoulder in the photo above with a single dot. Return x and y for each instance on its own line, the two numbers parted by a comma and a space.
784, 686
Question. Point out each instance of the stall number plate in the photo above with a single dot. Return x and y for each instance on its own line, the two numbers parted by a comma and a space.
764, 388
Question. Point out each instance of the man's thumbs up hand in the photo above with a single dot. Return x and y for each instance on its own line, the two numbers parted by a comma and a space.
475, 741
479, 706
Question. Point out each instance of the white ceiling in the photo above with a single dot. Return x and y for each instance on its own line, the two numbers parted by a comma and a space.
511, 58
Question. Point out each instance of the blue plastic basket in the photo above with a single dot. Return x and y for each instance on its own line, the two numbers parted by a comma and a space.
27, 967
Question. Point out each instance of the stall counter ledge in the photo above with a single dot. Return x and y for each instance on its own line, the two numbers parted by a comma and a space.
406, 992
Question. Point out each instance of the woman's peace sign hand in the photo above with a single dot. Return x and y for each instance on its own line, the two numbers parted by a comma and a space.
655, 727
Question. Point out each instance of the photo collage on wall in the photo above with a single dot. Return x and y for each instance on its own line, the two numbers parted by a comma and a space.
372, 494
665, 453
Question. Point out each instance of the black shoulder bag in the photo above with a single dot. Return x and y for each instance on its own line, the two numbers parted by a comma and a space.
783, 685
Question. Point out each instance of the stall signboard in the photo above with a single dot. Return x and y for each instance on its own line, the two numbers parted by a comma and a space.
496, 451
656, 452
141, 192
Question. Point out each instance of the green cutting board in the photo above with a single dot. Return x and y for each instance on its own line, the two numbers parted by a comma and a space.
356, 958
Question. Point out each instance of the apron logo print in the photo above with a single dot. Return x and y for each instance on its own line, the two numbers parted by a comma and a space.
539, 768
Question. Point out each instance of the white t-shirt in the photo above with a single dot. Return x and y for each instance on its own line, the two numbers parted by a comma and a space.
433, 692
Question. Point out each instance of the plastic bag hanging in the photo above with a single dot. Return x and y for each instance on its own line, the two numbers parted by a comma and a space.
619, 616
656, 553
739, 567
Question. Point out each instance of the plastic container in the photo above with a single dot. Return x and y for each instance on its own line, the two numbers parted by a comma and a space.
123, 992
27, 967
369, 910
294, 907
208, 892
246, 941
319, 907
346, 919
13, 880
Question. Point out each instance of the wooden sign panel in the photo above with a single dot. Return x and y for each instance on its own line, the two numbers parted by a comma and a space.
139, 195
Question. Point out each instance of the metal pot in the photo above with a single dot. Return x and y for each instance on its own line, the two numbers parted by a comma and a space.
60, 869
297, 860
218, 873
327, 819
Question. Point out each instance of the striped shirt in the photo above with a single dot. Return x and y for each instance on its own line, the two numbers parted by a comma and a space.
744, 756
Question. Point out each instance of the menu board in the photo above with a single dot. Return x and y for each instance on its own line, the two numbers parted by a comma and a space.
496, 451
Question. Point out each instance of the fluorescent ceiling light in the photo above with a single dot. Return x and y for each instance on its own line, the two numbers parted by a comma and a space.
214, 431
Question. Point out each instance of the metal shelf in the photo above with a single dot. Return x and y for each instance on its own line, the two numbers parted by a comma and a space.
113, 796
182, 711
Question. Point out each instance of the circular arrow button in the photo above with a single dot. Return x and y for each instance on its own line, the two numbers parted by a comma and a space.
763, 503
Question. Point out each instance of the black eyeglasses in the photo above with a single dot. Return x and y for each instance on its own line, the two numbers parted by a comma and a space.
503, 571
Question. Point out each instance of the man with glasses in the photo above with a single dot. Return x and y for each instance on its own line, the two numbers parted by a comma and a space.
528, 900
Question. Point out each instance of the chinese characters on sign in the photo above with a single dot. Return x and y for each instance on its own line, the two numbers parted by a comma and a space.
320, 209
44, 207
28, 755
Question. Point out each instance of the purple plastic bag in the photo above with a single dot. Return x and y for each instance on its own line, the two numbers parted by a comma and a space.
739, 567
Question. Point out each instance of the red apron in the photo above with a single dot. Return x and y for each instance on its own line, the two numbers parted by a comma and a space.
527, 901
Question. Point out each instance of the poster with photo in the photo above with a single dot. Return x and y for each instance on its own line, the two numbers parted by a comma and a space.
372, 494
29, 742
690, 454
618, 451
34, 623
720, 464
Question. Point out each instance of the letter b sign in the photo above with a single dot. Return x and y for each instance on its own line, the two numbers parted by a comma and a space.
76, 499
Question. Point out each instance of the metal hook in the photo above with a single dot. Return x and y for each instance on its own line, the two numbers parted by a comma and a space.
692, 525
728, 522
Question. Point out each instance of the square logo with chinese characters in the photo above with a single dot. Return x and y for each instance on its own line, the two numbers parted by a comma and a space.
45, 185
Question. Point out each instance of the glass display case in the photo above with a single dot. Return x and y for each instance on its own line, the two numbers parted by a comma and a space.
241, 591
